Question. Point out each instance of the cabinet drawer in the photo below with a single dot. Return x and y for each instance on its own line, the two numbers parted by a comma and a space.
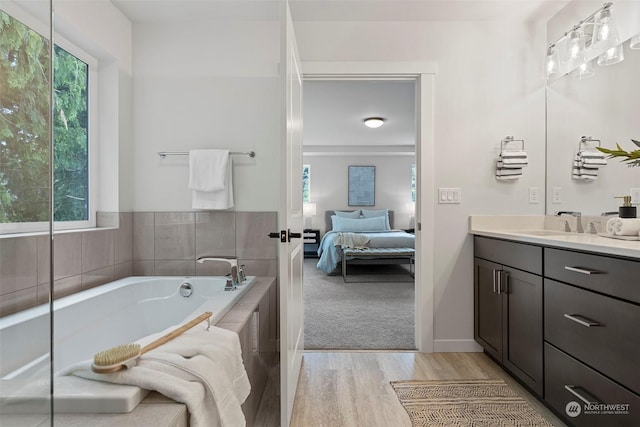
600, 331
612, 276
517, 255
562, 370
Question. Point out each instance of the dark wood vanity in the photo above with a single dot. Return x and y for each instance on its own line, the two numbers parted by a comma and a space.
565, 323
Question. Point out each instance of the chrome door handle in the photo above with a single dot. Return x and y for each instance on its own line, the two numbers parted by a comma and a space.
572, 389
582, 270
581, 320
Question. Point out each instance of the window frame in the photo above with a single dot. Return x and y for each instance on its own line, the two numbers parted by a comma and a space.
92, 135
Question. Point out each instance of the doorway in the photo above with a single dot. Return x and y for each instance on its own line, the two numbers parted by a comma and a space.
422, 74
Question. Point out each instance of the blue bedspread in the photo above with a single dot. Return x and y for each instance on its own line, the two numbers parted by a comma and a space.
331, 256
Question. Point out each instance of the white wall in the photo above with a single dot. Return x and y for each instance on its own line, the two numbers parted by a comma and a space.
489, 85
329, 185
206, 85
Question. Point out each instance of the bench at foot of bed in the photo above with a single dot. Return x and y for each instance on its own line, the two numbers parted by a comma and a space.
383, 255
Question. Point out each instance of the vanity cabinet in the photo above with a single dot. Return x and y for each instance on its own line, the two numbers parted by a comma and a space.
592, 335
508, 306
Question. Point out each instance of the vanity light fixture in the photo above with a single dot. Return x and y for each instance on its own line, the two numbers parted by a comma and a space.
596, 32
374, 122
552, 68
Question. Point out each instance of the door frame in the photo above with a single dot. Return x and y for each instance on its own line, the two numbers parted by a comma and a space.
424, 74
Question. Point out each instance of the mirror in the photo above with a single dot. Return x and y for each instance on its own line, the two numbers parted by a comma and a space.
604, 107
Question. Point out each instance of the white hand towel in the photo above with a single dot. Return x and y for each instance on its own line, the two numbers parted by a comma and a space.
208, 169
508, 171
501, 165
514, 161
611, 225
627, 227
508, 177
221, 199
202, 369
514, 153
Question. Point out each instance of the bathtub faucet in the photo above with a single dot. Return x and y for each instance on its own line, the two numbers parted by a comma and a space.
237, 273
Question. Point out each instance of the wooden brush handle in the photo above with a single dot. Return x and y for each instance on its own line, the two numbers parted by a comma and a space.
171, 335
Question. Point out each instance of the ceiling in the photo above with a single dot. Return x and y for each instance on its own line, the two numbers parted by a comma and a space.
334, 111
341, 10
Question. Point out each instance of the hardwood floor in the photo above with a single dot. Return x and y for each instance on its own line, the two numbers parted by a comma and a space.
347, 389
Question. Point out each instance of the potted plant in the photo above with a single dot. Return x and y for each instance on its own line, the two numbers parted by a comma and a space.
631, 157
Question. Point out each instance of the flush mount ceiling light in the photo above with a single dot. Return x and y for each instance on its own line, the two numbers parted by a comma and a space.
374, 122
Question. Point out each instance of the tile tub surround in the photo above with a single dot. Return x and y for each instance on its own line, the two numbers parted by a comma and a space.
82, 259
168, 243
159, 411
133, 243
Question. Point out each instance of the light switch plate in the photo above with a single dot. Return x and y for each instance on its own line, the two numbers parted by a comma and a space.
449, 196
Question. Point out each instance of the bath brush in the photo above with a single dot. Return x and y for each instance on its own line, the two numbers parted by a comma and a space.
126, 355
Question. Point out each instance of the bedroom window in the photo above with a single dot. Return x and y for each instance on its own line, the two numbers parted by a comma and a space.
306, 183
413, 182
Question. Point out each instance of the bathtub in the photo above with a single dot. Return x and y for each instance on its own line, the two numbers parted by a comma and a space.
91, 321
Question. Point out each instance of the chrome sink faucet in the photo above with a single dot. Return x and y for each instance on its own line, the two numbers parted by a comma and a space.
578, 215
237, 273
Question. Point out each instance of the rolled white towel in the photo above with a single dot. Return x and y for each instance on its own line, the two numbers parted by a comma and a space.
611, 225
627, 227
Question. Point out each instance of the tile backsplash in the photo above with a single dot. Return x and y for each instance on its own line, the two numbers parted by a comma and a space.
133, 243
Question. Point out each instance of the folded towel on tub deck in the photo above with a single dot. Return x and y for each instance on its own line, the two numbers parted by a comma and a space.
202, 369
208, 169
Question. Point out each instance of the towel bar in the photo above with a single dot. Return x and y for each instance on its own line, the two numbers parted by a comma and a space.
164, 154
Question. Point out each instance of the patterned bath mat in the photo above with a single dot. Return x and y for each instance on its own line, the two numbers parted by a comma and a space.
490, 403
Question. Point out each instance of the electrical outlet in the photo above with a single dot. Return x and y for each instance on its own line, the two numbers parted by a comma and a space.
534, 195
635, 196
556, 195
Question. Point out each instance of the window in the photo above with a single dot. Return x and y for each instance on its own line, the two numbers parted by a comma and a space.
306, 183
24, 132
413, 182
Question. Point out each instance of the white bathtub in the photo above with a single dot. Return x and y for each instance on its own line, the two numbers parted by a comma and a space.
91, 321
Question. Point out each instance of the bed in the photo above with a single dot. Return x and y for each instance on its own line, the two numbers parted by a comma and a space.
354, 239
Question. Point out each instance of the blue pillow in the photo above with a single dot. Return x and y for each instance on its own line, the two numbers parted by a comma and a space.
343, 214
357, 225
374, 213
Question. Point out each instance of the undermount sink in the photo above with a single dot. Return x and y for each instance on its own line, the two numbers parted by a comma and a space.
543, 232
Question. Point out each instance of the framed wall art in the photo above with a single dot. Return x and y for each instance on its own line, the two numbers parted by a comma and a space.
362, 185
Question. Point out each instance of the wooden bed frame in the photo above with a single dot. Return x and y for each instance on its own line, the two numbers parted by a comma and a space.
373, 255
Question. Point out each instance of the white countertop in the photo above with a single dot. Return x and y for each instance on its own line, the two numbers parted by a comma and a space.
524, 229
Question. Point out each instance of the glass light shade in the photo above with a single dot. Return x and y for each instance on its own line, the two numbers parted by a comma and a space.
611, 56
551, 65
374, 122
574, 50
635, 42
584, 71
309, 209
605, 32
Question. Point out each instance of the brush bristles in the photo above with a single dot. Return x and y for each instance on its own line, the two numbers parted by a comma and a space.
116, 355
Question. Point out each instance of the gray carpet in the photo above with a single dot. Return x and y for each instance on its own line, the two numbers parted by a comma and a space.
358, 316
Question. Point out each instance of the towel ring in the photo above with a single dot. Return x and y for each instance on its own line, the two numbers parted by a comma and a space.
508, 139
587, 139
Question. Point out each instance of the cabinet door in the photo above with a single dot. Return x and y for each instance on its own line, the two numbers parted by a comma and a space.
522, 326
487, 308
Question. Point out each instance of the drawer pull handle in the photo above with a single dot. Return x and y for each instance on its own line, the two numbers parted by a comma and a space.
572, 389
581, 320
582, 270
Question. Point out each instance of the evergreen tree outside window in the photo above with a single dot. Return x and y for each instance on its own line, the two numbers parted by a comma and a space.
24, 129
306, 183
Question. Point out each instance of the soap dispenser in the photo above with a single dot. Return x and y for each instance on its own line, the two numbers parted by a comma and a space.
626, 210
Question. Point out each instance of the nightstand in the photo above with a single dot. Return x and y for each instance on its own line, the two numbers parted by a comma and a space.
311, 242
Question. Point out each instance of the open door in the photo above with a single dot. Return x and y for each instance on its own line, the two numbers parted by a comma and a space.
290, 219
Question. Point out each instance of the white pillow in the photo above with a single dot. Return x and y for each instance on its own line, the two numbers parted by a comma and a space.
358, 225
374, 213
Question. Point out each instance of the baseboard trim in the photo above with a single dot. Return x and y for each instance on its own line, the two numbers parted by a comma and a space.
456, 346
